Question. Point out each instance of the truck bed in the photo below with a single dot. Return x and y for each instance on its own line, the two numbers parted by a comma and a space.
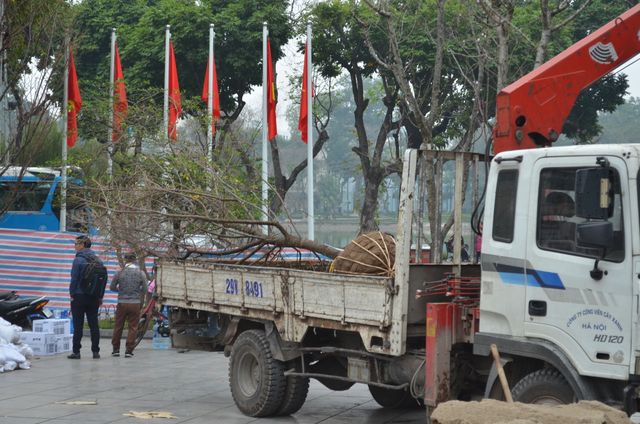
293, 299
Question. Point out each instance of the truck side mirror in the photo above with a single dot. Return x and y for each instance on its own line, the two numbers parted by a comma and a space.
593, 193
598, 234
595, 234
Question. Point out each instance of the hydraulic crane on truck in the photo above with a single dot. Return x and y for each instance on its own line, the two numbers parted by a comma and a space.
531, 111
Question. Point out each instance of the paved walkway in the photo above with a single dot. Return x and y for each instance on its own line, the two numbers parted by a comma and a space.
193, 386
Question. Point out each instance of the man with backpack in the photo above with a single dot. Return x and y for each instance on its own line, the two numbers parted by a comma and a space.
130, 283
88, 281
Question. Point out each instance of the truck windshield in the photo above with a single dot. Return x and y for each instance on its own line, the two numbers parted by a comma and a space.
23, 196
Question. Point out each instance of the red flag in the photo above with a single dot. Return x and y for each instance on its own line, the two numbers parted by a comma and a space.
304, 113
120, 106
175, 105
216, 95
74, 103
271, 97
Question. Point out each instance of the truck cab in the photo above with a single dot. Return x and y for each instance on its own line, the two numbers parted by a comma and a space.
556, 287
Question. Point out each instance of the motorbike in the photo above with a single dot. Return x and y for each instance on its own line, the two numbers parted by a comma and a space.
22, 311
8, 295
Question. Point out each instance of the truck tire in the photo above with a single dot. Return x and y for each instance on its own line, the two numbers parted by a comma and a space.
545, 386
256, 379
294, 395
393, 399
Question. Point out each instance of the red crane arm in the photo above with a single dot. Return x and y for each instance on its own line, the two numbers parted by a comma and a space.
531, 111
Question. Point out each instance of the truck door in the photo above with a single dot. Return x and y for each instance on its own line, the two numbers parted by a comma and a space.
589, 319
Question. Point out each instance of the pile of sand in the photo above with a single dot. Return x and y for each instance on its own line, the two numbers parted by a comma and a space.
371, 253
489, 411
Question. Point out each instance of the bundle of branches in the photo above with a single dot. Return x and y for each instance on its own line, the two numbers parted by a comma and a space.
180, 204
371, 253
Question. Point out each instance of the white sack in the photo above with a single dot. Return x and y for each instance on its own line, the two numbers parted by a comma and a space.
25, 349
10, 333
11, 354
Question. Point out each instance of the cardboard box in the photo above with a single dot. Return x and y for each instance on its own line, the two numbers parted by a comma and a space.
63, 343
41, 343
44, 349
60, 327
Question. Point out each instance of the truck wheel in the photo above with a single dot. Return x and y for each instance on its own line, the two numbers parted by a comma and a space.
256, 379
294, 395
545, 386
394, 399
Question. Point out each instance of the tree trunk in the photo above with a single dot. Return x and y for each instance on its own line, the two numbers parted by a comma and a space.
545, 33
504, 25
370, 203
549, 28
282, 183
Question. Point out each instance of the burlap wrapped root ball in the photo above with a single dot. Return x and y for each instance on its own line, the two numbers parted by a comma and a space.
371, 253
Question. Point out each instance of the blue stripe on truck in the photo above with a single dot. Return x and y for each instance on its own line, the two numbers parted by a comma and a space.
531, 277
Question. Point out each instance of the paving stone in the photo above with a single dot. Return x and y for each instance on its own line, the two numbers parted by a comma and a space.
193, 385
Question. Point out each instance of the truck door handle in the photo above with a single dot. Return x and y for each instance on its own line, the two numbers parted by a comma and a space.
538, 308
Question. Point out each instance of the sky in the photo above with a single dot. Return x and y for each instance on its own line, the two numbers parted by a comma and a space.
633, 75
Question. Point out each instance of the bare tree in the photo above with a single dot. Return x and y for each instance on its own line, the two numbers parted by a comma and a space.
323, 106
340, 39
500, 13
374, 168
164, 202
422, 103
32, 54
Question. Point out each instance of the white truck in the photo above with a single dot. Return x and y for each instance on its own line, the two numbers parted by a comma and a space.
559, 297
559, 290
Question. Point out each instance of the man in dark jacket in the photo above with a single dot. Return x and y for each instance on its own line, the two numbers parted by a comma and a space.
82, 303
130, 283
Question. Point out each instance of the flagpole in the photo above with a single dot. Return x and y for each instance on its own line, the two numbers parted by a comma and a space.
111, 87
65, 119
310, 191
265, 129
165, 112
212, 35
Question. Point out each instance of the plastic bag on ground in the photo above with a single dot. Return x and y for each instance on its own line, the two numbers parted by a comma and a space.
10, 353
25, 349
10, 332
13, 353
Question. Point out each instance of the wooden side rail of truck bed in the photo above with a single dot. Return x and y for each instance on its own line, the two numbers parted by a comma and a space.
293, 300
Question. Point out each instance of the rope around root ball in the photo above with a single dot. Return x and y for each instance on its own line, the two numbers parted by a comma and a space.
377, 259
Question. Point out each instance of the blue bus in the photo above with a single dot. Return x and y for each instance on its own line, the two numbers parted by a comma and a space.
30, 199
